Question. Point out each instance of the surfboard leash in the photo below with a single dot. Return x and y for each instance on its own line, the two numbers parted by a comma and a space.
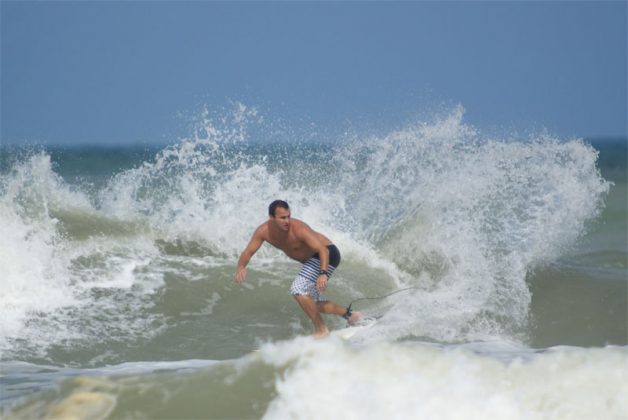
348, 313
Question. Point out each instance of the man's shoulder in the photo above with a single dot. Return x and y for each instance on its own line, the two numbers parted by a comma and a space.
299, 226
262, 230
298, 222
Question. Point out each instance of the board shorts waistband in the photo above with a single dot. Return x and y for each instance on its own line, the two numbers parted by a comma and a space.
305, 282
334, 255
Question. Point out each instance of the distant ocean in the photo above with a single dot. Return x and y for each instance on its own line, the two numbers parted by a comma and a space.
117, 296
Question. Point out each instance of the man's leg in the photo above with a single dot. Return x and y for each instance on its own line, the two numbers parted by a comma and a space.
309, 306
329, 307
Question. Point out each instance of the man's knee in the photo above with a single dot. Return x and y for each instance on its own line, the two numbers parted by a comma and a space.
320, 304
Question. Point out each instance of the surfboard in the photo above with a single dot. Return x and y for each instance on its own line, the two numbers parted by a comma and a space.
349, 332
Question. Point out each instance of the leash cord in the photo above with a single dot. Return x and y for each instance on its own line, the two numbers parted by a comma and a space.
378, 297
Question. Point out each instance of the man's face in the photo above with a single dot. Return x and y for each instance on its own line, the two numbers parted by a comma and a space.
282, 218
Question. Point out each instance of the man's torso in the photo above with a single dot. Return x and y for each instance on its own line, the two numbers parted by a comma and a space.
291, 244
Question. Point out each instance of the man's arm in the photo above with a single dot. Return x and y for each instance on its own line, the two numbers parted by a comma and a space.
254, 244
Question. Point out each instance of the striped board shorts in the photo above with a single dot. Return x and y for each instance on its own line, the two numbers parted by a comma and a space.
305, 282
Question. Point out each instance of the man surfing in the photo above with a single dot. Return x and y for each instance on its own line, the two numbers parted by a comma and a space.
317, 253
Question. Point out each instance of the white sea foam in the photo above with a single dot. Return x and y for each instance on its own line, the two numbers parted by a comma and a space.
434, 205
33, 278
466, 218
418, 381
47, 279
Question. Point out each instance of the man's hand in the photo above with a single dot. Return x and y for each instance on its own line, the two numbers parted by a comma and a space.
240, 275
321, 283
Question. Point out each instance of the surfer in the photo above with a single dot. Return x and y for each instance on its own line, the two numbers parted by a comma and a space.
317, 253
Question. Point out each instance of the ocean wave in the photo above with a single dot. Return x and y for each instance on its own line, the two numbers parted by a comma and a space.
305, 378
435, 205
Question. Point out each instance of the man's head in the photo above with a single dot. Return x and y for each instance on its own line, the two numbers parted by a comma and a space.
279, 214
277, 203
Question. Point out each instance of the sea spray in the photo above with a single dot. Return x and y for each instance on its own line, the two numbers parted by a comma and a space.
148, 258
467, 218
60, 289
34, 278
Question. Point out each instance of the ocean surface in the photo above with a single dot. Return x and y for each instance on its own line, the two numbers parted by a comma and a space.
117, 296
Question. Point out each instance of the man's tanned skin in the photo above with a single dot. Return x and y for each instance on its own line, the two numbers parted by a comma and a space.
299, 242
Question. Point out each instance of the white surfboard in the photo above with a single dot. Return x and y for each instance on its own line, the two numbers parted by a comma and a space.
349, 332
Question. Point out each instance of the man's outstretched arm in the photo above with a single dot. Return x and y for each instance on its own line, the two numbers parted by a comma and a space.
254, 244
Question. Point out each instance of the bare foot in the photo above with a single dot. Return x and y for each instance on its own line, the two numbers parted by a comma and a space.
354, 318
321, 334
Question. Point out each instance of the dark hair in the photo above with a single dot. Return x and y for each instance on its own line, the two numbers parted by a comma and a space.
277, 203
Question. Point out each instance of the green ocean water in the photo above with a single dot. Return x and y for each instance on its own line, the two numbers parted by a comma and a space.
118, 297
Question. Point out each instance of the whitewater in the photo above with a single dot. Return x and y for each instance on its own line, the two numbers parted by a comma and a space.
118, 300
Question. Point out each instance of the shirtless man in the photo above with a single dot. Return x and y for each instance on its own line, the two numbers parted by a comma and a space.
319, 257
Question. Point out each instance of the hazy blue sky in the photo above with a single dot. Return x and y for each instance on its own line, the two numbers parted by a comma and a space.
125, 72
